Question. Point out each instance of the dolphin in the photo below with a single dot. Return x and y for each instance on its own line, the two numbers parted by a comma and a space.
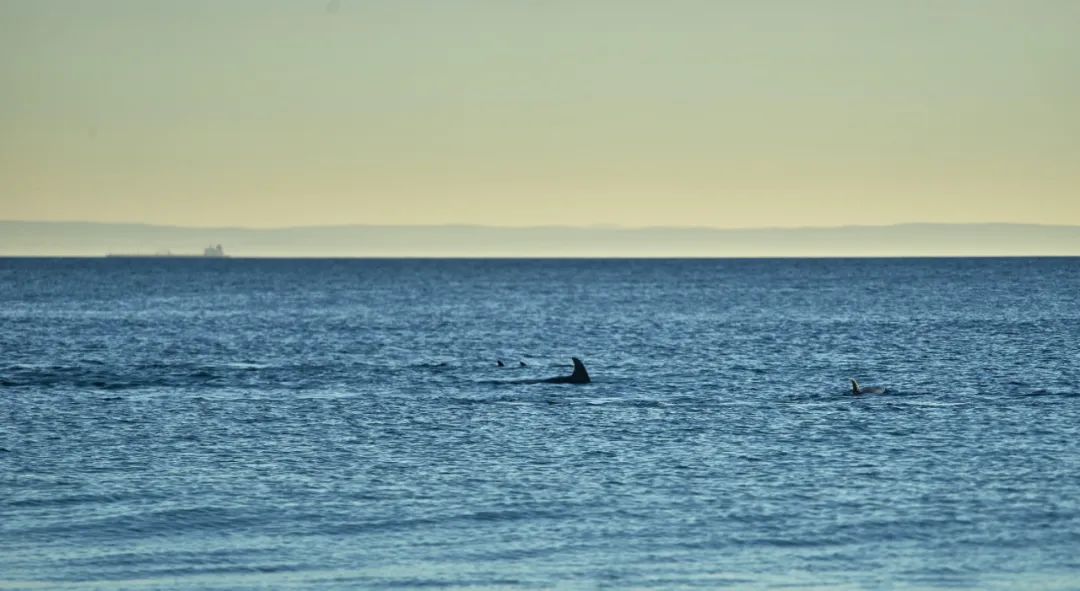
857, 389
580, 375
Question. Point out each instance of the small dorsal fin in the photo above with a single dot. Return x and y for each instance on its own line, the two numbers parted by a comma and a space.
855, 389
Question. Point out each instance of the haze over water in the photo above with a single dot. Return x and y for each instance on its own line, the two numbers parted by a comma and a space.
324, 424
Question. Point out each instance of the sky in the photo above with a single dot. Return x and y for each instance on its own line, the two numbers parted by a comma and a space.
726, 114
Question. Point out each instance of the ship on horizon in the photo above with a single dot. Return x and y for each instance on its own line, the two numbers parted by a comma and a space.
210, 252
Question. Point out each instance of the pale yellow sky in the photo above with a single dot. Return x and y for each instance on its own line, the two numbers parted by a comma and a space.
677, 113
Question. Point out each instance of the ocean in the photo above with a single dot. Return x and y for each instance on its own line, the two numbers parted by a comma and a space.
344, 424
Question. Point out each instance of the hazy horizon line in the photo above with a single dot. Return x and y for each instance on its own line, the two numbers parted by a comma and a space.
53, 238
536, 227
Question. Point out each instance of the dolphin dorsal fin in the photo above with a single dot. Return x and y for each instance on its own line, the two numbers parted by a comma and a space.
580, 375
855, 389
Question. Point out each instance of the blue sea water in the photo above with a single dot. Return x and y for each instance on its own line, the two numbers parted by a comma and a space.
328, 424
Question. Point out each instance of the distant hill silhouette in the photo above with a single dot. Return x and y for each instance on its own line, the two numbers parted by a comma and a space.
96, 239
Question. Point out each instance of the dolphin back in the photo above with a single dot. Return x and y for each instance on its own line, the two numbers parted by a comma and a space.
856, 388
580, 375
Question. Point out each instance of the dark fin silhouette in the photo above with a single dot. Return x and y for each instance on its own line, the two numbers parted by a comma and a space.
499, 363
855, 389
580, 375
522, 364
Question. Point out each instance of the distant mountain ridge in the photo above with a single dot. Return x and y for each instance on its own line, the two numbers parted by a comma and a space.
19, 238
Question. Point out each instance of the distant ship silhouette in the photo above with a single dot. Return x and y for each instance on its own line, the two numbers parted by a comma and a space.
210, 252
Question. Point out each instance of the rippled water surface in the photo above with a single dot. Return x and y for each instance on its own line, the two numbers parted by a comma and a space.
205, 424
